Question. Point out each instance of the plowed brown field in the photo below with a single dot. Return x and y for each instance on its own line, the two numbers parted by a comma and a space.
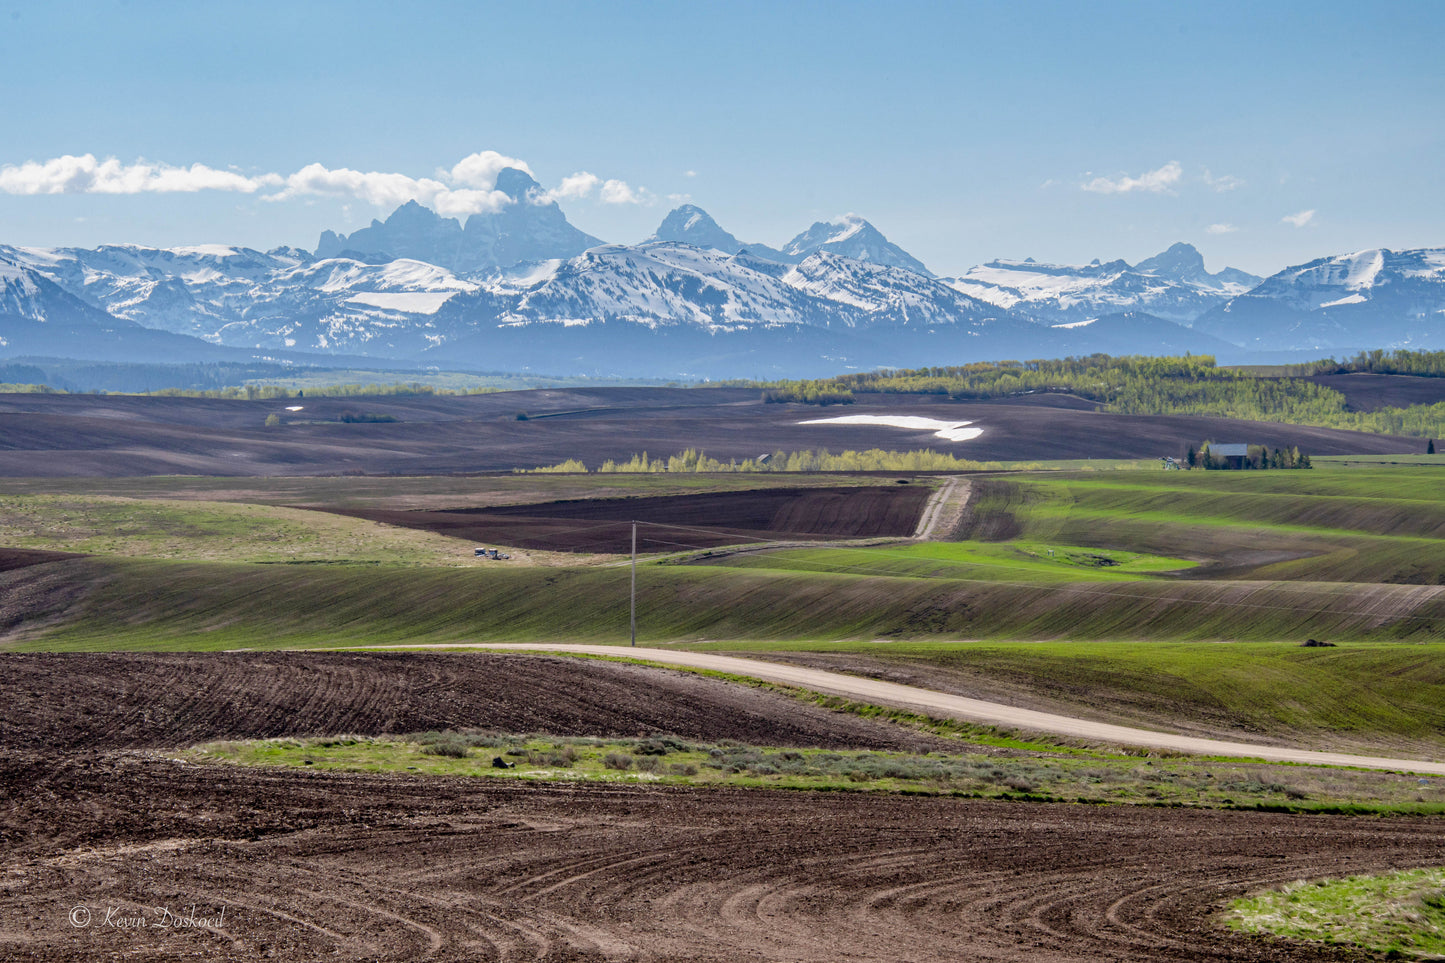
146, 700
311, 866
117, 436
98, 844
604, 525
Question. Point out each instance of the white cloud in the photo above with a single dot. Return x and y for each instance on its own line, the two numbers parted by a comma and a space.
1220, 229
1300, 219
87, 175
584, 184
619, 192
392, 190
1159, 181
1222, 183
573, 187
690, 174
467, 187
480, 170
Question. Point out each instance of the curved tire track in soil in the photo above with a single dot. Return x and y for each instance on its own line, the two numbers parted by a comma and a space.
342, 866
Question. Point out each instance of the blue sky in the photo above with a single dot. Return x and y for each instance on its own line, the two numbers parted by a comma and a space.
1264, 133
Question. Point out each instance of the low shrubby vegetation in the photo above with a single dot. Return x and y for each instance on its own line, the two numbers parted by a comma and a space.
1006, 767
874, 459
816, 392
1421, 364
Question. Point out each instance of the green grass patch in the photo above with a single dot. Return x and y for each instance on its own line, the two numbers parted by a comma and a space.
1017, 560
1400, 914
1436, 460
1359, 695
1365, 526
145, 604
157, 528
997, 774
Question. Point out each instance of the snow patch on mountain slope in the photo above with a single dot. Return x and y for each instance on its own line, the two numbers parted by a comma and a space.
414, 302
205, 250
1066, 292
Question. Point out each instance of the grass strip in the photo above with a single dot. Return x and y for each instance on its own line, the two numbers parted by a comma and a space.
664, 759
1399, 914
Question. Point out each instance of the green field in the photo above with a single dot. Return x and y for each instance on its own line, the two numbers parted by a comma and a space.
156, 528
1022, 560
1104, 594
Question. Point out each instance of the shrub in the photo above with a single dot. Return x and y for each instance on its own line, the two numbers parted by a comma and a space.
616, 760
450, 747
552, 760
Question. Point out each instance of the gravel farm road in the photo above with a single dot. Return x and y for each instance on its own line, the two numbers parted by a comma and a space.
958, 707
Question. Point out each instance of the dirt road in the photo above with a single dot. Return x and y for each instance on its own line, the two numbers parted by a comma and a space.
971, 710
944, 507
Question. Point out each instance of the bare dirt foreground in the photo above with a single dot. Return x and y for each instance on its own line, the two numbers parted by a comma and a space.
126, 853
309, 866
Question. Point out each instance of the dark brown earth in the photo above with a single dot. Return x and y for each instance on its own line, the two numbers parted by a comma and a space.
149, 700
13, 558
678, 521
116, 436
286, 864
297, 865
1371, 392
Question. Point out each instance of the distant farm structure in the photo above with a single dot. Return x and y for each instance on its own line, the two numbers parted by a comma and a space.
1239, 456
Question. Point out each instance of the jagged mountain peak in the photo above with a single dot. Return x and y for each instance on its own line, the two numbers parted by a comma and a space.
690, 224
853, 237
1182, 261
518, 184
528, 229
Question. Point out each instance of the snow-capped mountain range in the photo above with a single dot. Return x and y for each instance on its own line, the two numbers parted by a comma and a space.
524, 288
1381, 297
1173, 285
530, 228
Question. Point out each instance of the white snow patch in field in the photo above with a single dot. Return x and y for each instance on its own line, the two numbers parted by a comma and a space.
295, 407
1352, 299
948, 430
1077, 324
411, 302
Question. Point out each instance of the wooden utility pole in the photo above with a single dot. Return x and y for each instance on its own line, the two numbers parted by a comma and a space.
634, 583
